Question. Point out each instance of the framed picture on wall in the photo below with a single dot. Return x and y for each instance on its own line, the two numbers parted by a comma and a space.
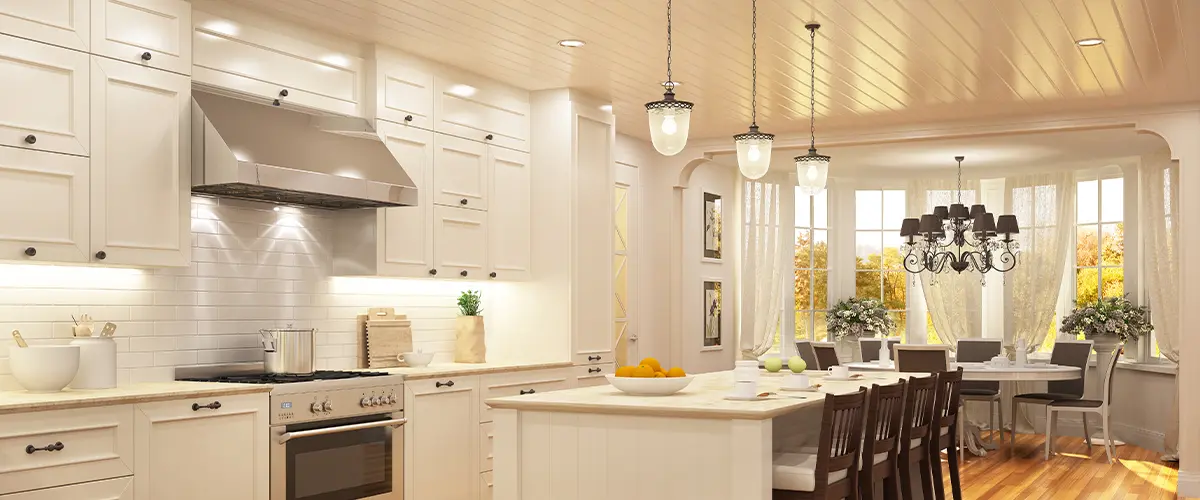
712, 226
712, 313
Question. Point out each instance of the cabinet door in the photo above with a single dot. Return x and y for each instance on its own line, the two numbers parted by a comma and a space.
140, 165
111, 489
44, 96
203, 453
154, 33
459, 242
479, 109
407, 234
403, 89
592, 259
97, 443
43, 206
57, 22
508, 215
460, 172
441, 439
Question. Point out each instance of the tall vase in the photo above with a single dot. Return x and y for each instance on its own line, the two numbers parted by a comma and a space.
849, 349
469, 345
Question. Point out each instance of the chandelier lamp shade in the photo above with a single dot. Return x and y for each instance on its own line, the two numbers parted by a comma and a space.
959, 239
812, 169
754, 147
669, 118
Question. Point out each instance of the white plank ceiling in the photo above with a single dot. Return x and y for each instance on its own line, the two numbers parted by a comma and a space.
879, 62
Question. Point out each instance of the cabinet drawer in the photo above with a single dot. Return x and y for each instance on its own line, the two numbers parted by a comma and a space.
486, 440
593, 357
485, 486
109, 489
44, 93
592, 375
96, 443
154, 33
517, 383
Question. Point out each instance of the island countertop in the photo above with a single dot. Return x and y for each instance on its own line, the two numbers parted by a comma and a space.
704, 398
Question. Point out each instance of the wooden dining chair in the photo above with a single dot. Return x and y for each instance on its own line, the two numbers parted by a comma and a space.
915, 426
826, 355
945, 436
804, 349
981, 351
881, 450
831, 473
922, 358
1083, 407
1066, 353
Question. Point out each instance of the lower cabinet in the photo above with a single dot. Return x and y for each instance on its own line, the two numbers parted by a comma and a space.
440, 439
110, 489
203, 449
53, 448
592, 375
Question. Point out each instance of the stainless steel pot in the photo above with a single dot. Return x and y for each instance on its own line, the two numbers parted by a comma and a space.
288, 350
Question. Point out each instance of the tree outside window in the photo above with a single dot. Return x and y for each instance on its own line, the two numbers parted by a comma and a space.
811, 285
879, 263
1100, 240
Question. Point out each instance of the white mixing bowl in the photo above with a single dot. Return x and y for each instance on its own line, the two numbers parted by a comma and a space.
417, 359
44, 368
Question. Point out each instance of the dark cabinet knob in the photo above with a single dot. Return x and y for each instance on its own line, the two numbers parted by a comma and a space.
463, 202
30, 139
283, 93
595, 370
492, 274
275, 102
146, 56
487, 137
463, 273
31, 251
215, 405
448, 383
408, 118
530, 391
31, 449
593, 358
433, 272
101, 255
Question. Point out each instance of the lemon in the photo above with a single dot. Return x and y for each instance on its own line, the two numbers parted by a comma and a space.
652, 363
660, 375
643, 371
625, 371
676, 372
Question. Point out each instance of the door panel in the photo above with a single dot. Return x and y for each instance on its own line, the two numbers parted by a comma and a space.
460, 242
153, 33
407, 231
43, 206
509, 215
460, 173
65, 23
44, 96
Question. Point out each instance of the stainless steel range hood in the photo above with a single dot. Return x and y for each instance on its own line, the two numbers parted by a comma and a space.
257, 152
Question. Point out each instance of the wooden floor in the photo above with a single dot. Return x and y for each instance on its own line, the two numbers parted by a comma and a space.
1072, 474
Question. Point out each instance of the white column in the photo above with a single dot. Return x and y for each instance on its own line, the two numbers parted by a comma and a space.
991, 193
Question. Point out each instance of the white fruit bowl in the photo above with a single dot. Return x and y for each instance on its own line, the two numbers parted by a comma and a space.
649, 386
417, 359
44, 368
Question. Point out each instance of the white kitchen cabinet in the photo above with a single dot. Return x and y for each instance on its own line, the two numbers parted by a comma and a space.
460, 242
154, 33
140, 165
520, 383
195, 449
508, 215
591, 375
460, 172
43, 206
441, 438
403, 88
55, 448
592, 196
475, 108
109, 489
44, 96
65, 23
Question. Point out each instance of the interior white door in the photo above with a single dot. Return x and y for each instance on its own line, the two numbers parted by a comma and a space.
441, 438
625, 260
43, 206
187, 452
407, 231
43, 95
140, 165
509, 222
154, 33
460, 242
64, 23
460, 172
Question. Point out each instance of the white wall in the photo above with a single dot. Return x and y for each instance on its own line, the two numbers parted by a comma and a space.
253, 268
721, 181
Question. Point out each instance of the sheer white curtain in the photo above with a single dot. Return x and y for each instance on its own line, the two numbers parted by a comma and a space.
1160, 199
764, 268
953, 300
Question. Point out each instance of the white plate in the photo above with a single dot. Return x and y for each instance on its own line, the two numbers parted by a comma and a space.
755, 397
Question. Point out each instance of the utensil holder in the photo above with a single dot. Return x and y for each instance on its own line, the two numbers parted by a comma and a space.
97, 363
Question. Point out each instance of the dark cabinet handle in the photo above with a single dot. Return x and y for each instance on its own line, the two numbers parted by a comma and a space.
595, 370
101, 255
524, 392
462, 202
487, 137
433, 272
408, 118
283, 93
449, 383
275, 102
492, 274
146, 56
463, 273
215, 405
30, 139
593, 358
31, 251
31, 449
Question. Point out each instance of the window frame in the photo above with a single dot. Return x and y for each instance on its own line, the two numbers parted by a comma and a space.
812, 228
901, 316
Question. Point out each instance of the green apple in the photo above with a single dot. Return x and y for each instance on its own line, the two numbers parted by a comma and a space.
773, 364
796, 364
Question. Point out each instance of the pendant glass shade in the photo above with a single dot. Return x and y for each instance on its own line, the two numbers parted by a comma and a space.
754, 152
812, 170
669, 123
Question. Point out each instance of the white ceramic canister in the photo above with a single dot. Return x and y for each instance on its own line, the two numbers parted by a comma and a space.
97, 363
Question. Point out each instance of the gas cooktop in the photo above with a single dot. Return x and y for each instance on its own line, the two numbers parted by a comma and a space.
271, 378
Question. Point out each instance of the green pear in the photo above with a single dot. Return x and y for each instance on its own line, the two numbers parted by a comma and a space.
797, 364
773, 364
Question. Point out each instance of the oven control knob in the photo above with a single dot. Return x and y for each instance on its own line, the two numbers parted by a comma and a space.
391, 399
366, 401
315, 408
327, 406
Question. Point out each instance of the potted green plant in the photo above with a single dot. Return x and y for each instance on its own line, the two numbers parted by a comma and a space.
852, 318
469, 344
1107, 323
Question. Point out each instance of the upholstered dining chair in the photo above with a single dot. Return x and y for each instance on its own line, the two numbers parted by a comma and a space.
922, 358
1066, 353
1084, 407
826, 355
869, 346
915, 427
881, 450
832, 472
805, 350
979, 351
945, 432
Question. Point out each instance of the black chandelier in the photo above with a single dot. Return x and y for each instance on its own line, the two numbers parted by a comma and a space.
953, 238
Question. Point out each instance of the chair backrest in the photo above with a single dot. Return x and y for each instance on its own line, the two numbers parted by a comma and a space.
885, 411
1108, 376
945, 409
979, 350
826, 355
869, 347
841, 438
1070, 353
922, 358
918, 409
804, 349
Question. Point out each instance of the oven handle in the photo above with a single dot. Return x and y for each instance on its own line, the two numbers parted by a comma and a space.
288, 436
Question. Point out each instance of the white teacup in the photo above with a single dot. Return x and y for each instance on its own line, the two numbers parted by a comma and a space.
839, 371
745, 389
797, 381
999, 362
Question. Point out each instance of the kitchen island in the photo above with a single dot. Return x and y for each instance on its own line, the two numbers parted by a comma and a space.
599, 443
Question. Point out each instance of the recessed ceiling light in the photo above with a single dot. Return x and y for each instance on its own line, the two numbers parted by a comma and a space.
606, 107
1089, 42
570, 42
673, 84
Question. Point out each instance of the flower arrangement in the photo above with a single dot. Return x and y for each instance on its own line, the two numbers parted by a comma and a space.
1115, 316
470, 303
856, 317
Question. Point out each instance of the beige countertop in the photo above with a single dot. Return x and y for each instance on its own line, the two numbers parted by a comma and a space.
437, 370
23, 401
703, 398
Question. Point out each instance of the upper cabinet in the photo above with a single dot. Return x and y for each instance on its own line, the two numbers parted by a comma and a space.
276, 64
479, 109
403, 89
44, 95
460, 176
154, 33
509, 215
57, 22
43, 206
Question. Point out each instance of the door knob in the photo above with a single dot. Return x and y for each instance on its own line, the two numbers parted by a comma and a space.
492, 274
433, 272
283, 93
408, 118
463, 273
275, 102
487, 137
462, 202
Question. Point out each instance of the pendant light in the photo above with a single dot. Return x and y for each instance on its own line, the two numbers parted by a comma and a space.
812, 169
669, 118
754, 147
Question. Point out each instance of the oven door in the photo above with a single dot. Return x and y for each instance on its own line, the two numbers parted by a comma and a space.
344, 459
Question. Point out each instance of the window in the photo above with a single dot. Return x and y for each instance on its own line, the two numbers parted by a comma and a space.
879, 269
1100, 240
811, 266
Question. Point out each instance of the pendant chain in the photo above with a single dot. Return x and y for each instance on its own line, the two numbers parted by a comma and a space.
753, 63
812, 89
670, 83
960, 182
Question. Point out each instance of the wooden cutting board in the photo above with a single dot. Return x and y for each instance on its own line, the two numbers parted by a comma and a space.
383, 336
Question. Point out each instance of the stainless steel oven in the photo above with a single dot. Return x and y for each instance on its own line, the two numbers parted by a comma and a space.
350, 458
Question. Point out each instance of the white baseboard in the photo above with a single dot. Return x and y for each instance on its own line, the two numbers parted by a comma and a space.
1189, 484
1137, 436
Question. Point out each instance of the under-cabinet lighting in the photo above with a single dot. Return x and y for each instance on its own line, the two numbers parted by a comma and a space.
221, 26
462, 90
48, 276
